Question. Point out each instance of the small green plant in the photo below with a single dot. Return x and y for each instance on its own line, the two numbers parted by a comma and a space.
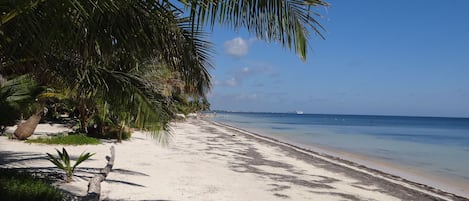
63, 162
76, 139
17, 186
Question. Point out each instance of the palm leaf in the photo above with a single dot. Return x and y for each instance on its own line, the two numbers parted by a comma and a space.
56, 161
289, 22
17, 90
65, 158
81, 158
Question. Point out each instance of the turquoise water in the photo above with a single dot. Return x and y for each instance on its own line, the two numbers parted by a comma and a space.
437, 145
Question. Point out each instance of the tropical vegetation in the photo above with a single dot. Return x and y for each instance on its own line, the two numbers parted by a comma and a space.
17, 186
62, 161
15, 97
132, 63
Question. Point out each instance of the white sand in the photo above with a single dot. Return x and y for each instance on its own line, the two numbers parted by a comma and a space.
206, 162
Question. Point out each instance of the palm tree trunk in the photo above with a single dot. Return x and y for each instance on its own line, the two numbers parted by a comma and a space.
26, 129
83, 114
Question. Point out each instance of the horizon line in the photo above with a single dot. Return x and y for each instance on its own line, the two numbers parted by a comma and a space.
345, 114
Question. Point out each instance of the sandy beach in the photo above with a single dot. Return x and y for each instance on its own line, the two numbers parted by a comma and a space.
210, 161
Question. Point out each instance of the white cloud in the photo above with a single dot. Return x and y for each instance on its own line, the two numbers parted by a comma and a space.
254, 70
245, 70
236, 47
231, 82
246, 97
240, 75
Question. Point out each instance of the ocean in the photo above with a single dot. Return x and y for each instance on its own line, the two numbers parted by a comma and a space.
434, 146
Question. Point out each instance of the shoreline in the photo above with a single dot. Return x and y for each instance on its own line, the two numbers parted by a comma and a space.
408, 172
370, 165
412, 174
207, 161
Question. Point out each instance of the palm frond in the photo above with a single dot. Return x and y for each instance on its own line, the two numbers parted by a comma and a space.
289, 22
83, 157
55, 161
17, 90
65, 158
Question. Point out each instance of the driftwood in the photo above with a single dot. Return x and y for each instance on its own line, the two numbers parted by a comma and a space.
94, 186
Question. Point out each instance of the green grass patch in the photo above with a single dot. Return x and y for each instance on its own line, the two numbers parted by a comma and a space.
15, 186
77, 139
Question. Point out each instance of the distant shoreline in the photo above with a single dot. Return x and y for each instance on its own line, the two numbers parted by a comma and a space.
334, 114
389, 171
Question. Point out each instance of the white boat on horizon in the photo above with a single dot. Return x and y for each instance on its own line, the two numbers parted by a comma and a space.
299, 112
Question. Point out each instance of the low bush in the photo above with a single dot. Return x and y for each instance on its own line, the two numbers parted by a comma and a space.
15, 186
110, 133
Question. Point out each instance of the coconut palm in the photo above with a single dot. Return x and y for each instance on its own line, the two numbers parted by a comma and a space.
15, 94
41, 96
101, 48
107, 68
22, 96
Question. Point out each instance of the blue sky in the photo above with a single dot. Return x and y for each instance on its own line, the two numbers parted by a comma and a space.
379, 57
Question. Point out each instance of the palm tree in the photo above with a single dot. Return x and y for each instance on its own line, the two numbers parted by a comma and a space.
99, 48
15, 94
41, 96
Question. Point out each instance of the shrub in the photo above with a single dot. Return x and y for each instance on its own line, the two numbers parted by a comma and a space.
114, 133
15, 186
9, 116
110, 133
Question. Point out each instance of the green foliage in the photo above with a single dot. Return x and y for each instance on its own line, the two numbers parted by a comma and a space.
63, 162
8, 117
289, 22
191, 105
15, 186
75, 139
15, 95
106, 52
110, 133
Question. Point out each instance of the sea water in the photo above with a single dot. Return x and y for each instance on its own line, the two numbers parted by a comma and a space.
436, 145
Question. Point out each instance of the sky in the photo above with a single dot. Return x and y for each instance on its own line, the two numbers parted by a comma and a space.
379, 58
